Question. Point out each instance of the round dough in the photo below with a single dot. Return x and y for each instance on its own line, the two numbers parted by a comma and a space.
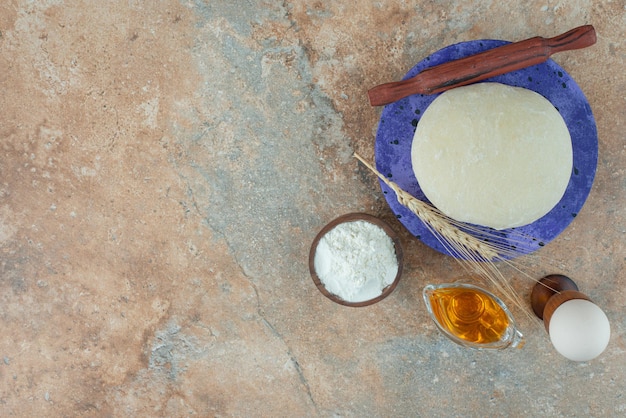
492, 155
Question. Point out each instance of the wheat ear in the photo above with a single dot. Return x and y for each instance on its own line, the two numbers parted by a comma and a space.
474, 254
437, 221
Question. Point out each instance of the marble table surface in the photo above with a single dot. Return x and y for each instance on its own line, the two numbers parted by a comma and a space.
164, 167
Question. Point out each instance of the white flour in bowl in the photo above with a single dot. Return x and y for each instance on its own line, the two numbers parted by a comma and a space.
356, 261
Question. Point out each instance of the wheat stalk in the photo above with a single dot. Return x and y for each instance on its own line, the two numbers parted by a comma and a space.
437, 221
473, 253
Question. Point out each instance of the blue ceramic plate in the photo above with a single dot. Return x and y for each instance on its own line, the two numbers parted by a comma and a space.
399, 120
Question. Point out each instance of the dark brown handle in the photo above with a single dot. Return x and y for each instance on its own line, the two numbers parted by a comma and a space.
496, 61
577, 38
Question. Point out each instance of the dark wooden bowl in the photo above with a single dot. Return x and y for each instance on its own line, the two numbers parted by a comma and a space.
350, 217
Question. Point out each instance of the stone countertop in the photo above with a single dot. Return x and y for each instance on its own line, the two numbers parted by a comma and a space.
165, 167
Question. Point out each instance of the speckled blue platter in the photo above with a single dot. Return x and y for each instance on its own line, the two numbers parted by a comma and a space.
399, 120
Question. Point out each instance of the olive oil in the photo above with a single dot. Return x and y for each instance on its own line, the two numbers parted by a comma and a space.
469, 314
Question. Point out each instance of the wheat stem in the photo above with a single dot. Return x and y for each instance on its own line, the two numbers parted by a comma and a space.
472, 252
437, 220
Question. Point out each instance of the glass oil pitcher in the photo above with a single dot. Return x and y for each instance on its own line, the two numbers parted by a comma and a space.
471, 316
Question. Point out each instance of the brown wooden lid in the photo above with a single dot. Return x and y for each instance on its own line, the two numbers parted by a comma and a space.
548, 287
557, 300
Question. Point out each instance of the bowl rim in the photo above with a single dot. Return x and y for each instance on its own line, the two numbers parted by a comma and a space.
352, 217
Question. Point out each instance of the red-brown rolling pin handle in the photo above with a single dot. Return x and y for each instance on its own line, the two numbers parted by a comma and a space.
496, 61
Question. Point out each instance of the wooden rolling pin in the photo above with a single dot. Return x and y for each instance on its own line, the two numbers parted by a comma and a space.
490, 63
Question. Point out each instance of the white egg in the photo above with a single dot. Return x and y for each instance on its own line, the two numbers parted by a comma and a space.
579, 330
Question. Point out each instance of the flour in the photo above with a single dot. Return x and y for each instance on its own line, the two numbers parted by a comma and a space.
356, 261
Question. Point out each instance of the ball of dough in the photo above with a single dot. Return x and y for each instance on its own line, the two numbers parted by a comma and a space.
492, 155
